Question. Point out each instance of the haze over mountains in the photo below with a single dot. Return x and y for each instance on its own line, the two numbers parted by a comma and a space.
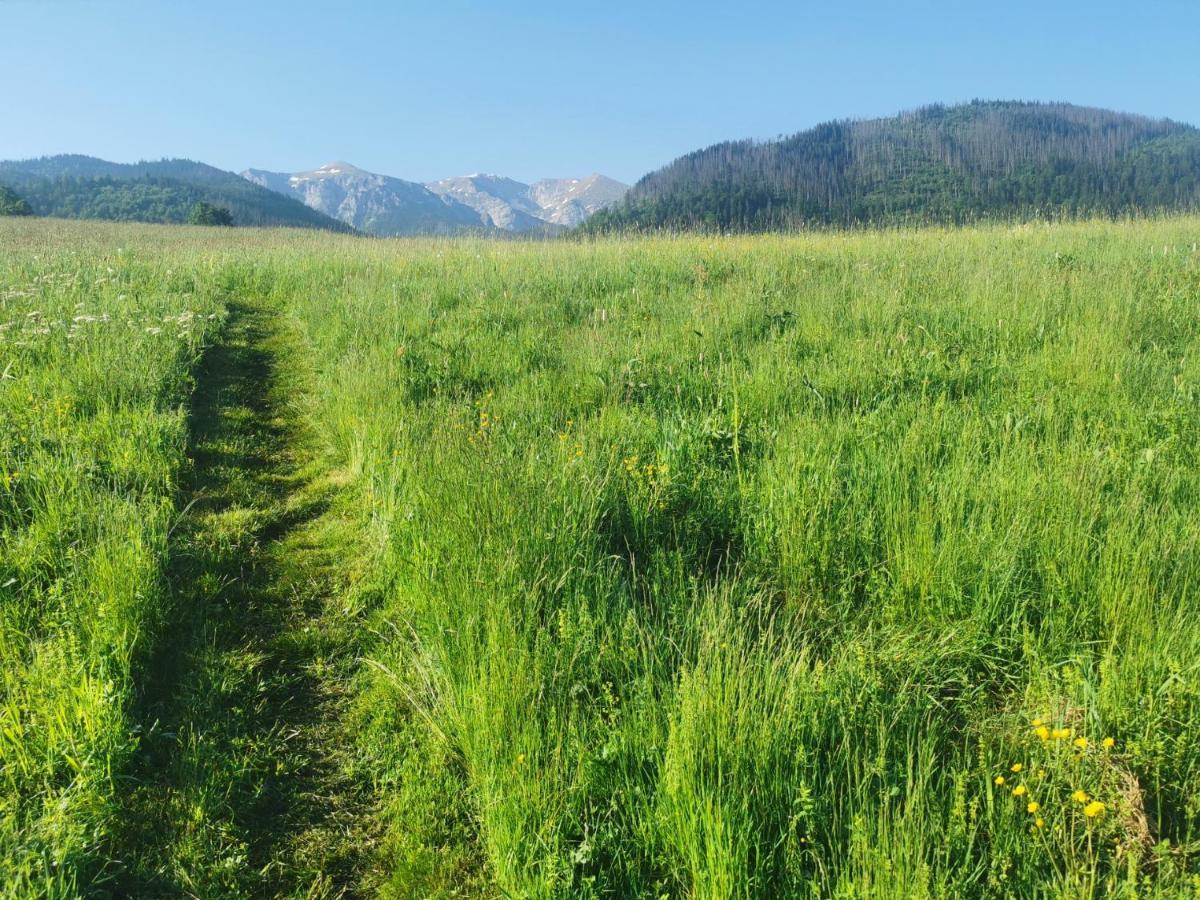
383, 205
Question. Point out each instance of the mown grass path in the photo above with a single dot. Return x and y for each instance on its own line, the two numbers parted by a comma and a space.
246, 782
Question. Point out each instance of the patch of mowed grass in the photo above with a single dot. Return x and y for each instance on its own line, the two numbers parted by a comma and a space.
735, 567
96, 345
245, 784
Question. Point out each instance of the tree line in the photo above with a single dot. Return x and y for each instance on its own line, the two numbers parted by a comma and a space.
12, 204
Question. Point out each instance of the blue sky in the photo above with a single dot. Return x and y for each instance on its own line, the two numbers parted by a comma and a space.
542, 89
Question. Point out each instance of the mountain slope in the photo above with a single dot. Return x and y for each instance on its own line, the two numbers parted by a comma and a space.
82, 187
936, 164
571, 201
548, 205
377, 204
500, 202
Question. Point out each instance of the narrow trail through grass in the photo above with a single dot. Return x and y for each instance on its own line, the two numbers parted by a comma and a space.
246, 783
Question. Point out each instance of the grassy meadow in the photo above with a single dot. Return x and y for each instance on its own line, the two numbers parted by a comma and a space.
837, 565
96, 349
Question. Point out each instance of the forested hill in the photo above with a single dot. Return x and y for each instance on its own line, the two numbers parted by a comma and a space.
939, 164
82, 187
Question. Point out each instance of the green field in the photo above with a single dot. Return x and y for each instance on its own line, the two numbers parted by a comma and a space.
842, 565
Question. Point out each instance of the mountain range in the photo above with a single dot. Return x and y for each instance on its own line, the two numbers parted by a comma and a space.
383, 205
558, 201
336, 197
938, 164
375, 204
978, 161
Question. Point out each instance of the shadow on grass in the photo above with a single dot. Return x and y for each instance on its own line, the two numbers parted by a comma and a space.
241, 785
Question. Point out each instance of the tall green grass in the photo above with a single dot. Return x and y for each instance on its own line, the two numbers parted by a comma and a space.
744, 567
95, 349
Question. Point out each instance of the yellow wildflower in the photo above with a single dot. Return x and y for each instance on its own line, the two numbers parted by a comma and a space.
520, 759
1039, 822
1093, 809
1043, 732
1080, 797
1038, 723
1019, 790
1081, 743
999, 781
1107, 743
1060, 734
1016, 767
1032, 807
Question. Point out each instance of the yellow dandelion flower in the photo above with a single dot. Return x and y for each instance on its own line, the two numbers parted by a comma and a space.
1093, 809
1060, 734
999, 781
1016, 767
1043, 732
1081, 743
1039, 822
1019, 790
520, 759
1080, 797
1038, 723
1107, 743
1032, 806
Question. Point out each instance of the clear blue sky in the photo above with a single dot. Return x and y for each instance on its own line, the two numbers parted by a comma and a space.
539, 89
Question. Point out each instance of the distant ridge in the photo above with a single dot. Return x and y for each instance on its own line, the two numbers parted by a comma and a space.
83, 187
514, 206
937, 164
478, 203
572, 201
499, 202
376, 204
